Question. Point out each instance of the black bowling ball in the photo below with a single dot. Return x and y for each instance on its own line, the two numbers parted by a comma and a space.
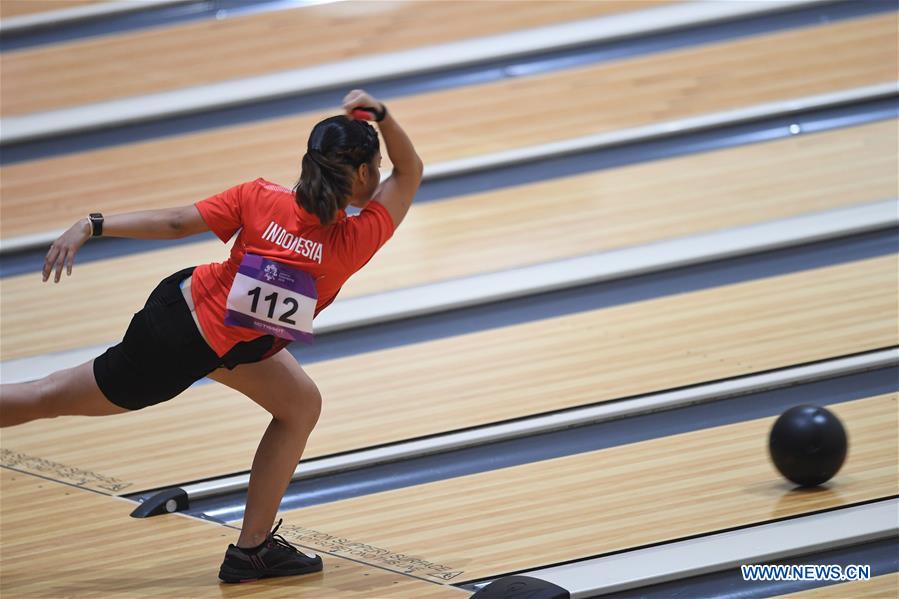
808, 445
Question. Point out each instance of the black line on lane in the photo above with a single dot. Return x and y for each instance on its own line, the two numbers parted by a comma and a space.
770, 129
588, 297
571, 441
596, 296
480, 73
773, 520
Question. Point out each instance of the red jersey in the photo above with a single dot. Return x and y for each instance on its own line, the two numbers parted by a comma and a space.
272, 224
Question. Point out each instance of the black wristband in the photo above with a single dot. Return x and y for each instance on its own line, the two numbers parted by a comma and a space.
96, 224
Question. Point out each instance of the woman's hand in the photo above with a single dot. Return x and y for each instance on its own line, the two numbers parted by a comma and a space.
62, 252
360, 99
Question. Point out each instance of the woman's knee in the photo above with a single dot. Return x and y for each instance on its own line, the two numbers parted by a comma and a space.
308, 404
302, 407
279, 385
315, 405
73, 392
47, 394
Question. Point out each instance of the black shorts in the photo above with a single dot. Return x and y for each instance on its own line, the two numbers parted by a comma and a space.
163, 353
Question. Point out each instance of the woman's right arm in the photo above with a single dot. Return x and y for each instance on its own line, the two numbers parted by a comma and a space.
397, 192
166, 223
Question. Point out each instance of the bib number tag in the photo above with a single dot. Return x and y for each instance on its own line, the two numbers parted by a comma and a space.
272, 298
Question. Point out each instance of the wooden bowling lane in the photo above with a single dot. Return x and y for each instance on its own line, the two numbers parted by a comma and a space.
885, 586
579, 215
17, 8
462, 122
609, 500
480, 378
211, 50
60, 541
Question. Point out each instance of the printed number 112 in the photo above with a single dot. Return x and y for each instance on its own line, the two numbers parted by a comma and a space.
273, 301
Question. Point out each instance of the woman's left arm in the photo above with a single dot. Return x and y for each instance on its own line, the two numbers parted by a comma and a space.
168, 223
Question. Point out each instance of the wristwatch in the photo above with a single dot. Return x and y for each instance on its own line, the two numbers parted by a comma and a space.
96, 224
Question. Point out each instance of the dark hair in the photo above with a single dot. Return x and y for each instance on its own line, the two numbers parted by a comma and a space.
336, 148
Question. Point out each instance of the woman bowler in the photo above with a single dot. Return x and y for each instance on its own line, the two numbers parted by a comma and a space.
229, 321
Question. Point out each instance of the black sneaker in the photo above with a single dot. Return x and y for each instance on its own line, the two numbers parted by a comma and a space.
276, 557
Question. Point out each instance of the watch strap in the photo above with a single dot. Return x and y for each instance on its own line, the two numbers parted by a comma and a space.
96, 220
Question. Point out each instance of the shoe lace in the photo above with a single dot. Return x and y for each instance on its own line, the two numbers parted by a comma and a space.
281, 541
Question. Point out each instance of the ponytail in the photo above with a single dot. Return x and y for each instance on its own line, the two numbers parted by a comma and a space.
337, 146
323, 184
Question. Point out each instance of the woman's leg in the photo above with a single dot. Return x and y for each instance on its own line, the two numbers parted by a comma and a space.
283, 388
70, 392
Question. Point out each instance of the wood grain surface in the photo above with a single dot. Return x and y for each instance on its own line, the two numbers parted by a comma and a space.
493, 231
489, 376
60, 541
50, 194
211, 50
16, 8
594, 503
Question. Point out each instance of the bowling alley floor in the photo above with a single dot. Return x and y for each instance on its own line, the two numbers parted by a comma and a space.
65, 541
667, 376
657, 478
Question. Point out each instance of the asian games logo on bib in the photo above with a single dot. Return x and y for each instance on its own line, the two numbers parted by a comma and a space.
271, 272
